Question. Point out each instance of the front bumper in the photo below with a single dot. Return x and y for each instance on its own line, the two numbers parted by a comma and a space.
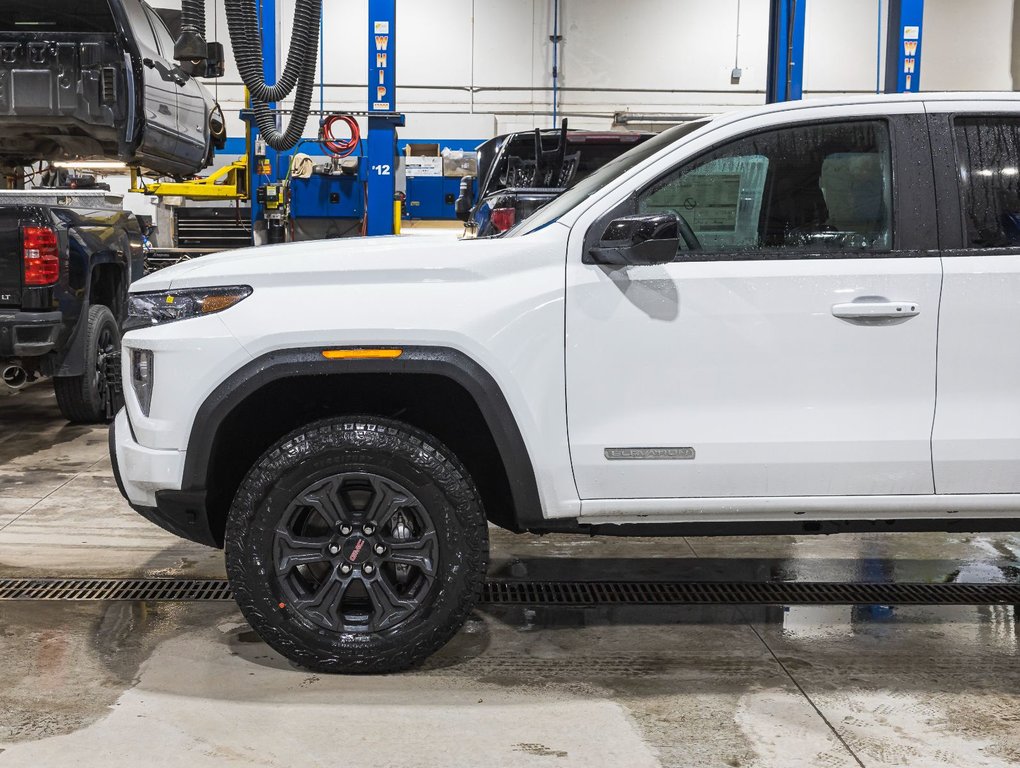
149, 481
29, 334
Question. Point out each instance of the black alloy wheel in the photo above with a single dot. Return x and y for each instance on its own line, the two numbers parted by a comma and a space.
355, 552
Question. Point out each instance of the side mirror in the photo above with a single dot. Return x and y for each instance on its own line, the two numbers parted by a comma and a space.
635, 240
212, 64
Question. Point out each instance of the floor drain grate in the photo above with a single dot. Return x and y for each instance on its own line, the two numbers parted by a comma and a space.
115, 589
746, 593
580, 593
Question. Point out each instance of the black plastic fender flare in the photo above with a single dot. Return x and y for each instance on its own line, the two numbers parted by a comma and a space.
441, 361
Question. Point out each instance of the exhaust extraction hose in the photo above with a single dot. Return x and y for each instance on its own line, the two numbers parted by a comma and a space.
298, 72
191, 45
193, 16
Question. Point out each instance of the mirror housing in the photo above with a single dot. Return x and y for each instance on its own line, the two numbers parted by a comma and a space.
215, 61
210, 65
638, 240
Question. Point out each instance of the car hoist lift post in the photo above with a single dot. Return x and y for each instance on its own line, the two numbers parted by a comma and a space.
786, 50
903, 46
383, 118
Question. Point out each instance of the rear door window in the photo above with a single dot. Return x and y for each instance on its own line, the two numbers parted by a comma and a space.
988, 156
51, 16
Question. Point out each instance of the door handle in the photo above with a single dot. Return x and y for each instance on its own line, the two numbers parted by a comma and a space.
875, 310
164, 109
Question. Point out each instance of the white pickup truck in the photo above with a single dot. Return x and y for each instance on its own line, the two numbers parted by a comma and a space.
798, 318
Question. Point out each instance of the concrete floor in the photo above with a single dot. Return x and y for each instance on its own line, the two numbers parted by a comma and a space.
188, 684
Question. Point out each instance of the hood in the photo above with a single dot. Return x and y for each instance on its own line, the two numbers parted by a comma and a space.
405, 259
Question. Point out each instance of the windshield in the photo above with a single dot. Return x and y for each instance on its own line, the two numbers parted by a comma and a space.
603, 177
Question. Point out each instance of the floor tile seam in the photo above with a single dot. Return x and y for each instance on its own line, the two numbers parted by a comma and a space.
796, 683
17, 517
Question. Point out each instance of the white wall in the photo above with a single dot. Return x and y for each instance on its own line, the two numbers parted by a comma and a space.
661, 56
967, 45
842, 51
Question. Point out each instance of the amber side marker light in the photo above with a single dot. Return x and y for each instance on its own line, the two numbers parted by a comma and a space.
362, 354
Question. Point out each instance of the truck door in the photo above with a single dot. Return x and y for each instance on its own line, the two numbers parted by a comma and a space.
192, 119
976, 440
159, 92
790, 351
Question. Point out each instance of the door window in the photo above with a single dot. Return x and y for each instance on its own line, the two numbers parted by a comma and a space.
988, 154
809, 189
166, 42
140, 27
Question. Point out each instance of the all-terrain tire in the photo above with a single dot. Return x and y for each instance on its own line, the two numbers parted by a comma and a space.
377, 447
82, 399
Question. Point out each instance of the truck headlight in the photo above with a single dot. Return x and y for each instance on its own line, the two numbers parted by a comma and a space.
141, 378
157, 307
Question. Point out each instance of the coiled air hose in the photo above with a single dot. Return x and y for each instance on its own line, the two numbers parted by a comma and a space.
340, 147
298, 72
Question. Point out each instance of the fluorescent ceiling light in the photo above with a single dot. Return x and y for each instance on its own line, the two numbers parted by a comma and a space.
92, 165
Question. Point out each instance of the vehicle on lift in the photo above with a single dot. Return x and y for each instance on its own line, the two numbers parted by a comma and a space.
67, 258
736, 327
520, 172
96, 80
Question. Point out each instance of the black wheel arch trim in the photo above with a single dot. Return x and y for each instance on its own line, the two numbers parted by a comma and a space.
441, 361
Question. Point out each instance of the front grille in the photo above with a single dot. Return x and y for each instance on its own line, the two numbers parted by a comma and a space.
564, 593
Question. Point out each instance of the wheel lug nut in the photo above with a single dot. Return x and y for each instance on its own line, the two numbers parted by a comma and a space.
346, 530
369, 529
345, 568
369, 568
334, 549
379, 549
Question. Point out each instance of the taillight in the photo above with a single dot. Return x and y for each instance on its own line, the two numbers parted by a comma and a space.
41, 255
503, 218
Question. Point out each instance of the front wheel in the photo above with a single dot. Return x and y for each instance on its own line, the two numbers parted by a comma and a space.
95, 396
357, 545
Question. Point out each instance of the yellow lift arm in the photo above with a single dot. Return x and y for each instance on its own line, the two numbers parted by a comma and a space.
227, 183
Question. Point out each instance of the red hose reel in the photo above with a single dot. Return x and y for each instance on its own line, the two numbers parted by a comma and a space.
340, 147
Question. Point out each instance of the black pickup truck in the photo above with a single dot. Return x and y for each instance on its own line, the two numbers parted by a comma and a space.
96, 80
67, 258
518, 173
